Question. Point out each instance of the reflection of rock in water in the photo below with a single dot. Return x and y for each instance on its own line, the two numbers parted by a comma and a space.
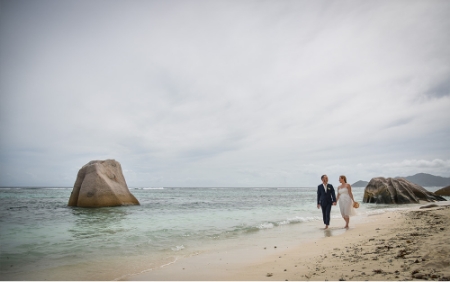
92, 223
101, 184
382, 190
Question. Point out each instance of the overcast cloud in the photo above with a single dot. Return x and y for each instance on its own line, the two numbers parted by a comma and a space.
224, 93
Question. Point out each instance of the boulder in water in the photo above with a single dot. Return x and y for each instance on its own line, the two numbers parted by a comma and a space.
101, 184
382, 190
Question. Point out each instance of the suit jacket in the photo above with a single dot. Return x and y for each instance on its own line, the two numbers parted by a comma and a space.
325, 198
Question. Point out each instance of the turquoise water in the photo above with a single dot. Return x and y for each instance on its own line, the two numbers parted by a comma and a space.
40, 232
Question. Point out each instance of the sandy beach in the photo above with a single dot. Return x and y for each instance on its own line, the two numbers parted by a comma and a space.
411, 244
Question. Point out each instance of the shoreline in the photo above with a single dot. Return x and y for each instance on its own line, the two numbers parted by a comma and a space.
396, 245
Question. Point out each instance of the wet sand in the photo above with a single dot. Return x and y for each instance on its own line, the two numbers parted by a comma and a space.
409, 244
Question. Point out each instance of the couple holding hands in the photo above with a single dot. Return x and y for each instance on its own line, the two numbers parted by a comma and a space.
326, 197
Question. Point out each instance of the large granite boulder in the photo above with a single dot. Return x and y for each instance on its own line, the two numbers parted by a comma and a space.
101, 184
382, 190
443, 191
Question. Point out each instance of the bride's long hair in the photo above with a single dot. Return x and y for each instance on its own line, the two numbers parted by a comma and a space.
343, 177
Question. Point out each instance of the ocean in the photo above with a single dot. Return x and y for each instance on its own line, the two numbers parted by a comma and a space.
42, 238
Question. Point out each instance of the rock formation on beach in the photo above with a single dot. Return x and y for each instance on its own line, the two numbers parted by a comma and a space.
382, 190
101, 184
443, 191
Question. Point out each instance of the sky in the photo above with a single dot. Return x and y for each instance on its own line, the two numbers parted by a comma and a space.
224, 93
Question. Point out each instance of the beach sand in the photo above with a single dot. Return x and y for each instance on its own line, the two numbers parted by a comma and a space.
411, 244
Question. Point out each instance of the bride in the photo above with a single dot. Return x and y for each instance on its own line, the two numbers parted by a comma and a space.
345, 200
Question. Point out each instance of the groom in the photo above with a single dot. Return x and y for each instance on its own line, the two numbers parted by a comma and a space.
326, 197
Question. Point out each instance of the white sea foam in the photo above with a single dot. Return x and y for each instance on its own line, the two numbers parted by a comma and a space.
284, 222
299, 219
172, 262
178, 248
266, 225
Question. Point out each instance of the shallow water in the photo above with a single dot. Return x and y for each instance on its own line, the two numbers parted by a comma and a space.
40, 232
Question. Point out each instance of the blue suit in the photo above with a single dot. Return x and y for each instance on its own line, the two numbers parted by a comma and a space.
326, 200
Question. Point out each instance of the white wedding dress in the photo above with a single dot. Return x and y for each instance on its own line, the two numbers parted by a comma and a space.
345, 203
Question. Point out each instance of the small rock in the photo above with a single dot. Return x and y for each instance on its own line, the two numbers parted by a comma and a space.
378, 271
429, 206
269, 274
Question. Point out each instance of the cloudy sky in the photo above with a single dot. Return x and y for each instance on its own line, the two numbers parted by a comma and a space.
224, 93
